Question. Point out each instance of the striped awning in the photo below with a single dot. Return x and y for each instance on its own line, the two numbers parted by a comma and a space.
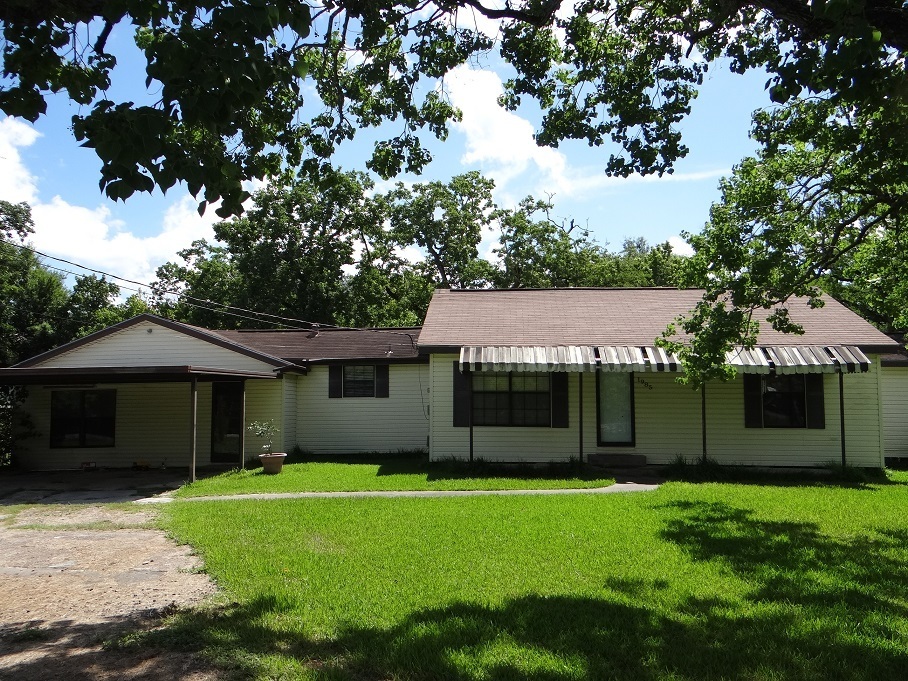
799, 359
788, 359
636, 358
528, 358
567, 358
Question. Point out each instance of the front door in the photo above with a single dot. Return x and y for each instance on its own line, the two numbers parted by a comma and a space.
226, 422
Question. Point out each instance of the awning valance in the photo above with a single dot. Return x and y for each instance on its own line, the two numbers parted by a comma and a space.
528, 358
632, 358
799, 359
629, 358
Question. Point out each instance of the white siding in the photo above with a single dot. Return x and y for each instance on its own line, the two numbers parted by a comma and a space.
729, 442
895, 411
290, 386
668, 425
264, 400
363, 424
152, 426
497, 443
149, 344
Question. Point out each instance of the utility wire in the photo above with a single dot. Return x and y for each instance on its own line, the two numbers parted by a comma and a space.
186, 297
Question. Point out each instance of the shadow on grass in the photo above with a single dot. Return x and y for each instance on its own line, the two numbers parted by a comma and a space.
831, 475
814, 607
408, 463
794, 563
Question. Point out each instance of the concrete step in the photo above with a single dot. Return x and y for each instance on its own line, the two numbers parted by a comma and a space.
617, 460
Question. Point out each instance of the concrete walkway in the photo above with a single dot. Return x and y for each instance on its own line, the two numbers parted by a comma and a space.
611, 489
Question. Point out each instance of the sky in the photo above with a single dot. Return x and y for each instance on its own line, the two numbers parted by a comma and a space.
44, 165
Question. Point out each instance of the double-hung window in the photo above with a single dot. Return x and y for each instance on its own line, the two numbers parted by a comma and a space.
358, 380
83, 418
784, 401
521, 399
511, 399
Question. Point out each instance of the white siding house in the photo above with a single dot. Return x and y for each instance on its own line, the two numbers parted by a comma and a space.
510, 376
124, 396
782, 409
895, 410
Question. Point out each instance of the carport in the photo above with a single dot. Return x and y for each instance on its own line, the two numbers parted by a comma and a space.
97, 378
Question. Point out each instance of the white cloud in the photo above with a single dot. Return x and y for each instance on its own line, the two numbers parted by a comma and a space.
16, 182
680, 246
92, 236
502, 143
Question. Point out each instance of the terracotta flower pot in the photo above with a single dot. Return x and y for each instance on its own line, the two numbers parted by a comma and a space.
272, 463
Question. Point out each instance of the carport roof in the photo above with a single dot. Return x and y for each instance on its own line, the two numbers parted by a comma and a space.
122, 374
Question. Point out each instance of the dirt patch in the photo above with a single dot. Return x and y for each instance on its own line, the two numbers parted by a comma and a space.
63, 592
100, 517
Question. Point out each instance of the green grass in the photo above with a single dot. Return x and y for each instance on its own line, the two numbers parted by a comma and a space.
395, 473
709, 581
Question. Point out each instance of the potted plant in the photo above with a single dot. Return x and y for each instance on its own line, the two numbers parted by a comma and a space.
272, 462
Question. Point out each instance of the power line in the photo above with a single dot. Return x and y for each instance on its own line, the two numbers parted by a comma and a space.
186, 297
179, 294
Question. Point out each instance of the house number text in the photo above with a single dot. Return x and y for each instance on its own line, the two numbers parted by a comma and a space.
644, 383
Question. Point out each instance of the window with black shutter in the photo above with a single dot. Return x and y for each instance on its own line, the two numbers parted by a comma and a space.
510, 399
358, 380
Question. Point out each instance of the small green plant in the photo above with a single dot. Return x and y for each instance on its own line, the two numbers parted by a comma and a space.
266, 430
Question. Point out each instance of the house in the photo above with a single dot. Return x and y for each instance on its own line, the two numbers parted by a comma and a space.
543, 375
499, 375
894, 393
161, 393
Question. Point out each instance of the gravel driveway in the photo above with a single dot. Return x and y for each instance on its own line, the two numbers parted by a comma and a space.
73, 575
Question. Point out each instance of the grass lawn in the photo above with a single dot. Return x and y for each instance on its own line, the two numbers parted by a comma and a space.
393, 473
708, 581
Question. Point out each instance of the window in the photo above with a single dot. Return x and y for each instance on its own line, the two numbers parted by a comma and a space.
510, 399
784, 401
358, 380
615, 408
82, 418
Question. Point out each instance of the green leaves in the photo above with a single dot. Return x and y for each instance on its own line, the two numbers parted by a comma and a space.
810, 212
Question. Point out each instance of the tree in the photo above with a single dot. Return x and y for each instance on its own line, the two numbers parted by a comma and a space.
807, 210
86, 309
637, 264
542, 253
873, 281
230, 75
32, 298
447, 222
286, 258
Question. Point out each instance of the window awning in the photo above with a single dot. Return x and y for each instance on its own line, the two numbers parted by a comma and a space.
528, 358
628, 358
795, 359
633, 358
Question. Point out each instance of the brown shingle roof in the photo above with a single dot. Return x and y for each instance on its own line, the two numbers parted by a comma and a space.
329, 344
608, 317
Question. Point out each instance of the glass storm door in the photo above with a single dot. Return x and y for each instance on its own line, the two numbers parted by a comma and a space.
226, 422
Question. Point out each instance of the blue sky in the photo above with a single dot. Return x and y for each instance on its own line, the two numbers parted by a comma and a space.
42, 164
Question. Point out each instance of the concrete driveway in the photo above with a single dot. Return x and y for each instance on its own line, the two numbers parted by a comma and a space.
86, 487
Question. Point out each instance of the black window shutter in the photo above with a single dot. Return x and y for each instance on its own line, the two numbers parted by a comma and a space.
559, 383
753, 401
335, 380
463, 397
381, 380
816, 412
